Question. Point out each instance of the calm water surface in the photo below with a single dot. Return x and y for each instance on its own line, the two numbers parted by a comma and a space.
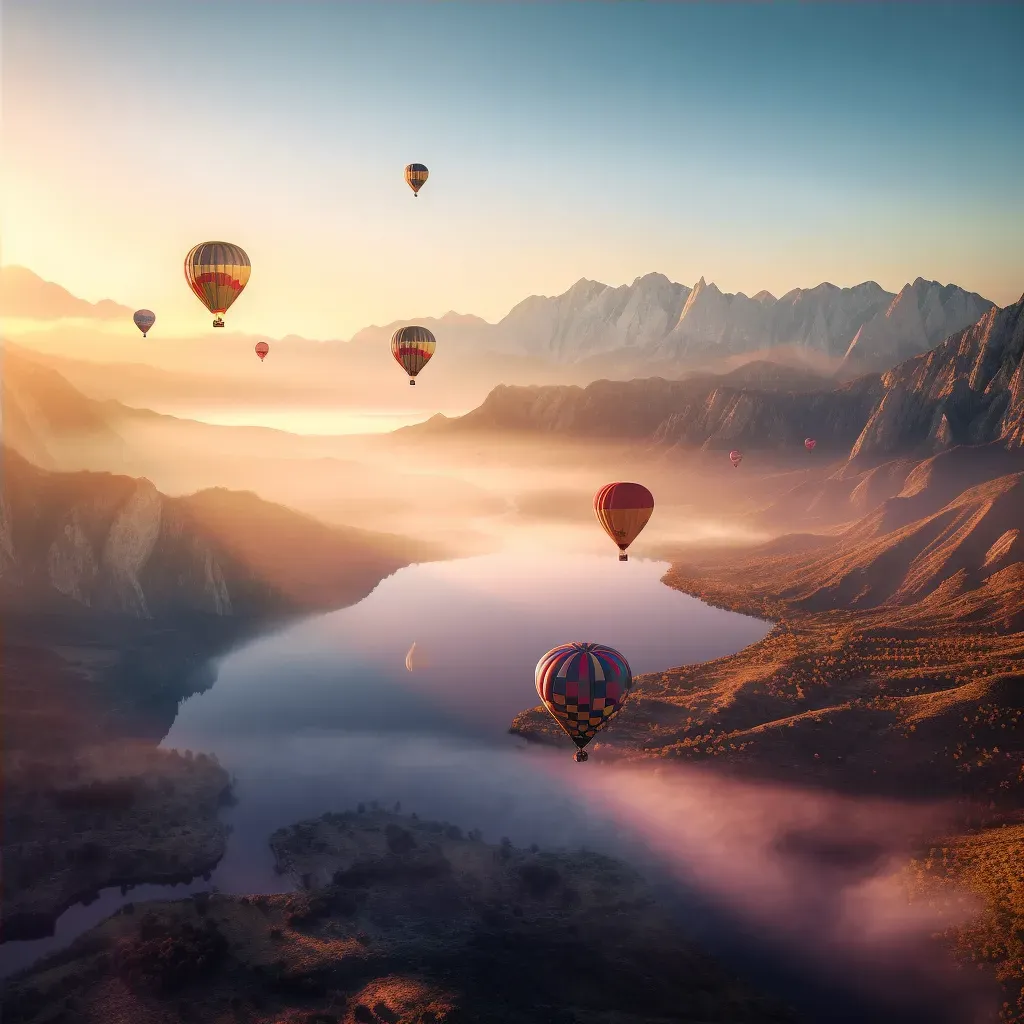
324, 715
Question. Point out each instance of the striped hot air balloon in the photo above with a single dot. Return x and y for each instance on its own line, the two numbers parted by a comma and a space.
144, 320
412, 348
809, 443
623, 510
735, 457
583, 686
262, 348
217, 272
416, 176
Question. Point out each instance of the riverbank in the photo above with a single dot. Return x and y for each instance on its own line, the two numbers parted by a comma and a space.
871, 682
402, 920
119, 813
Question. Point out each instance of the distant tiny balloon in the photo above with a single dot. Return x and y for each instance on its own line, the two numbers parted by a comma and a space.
809, 444
408, 657
262, 348
144, 320
735, 458
416, 176
583, 686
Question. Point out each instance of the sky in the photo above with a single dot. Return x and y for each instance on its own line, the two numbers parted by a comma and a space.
760, 146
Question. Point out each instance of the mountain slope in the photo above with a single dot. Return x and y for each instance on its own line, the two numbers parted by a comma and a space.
24, 294
100, 543
922, 315
967, 390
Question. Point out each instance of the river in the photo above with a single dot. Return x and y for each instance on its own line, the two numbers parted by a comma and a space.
325, 714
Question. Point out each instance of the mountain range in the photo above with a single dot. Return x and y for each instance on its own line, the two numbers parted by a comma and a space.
653, 325
969, 389
657, 323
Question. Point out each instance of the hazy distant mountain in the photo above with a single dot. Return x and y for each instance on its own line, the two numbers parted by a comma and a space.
969, 390
659, 321
25, 294
922, 315
100, 542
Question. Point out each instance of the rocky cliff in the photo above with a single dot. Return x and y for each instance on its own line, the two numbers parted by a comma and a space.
115, 544
967, 390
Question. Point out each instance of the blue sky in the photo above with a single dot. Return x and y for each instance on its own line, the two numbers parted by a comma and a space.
761, 146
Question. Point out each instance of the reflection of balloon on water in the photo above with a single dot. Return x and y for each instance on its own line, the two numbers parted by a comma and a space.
809, 444
583, 686
623, 510
412, 348
217, 272
416, 176
262, 348
735, 458
144, 320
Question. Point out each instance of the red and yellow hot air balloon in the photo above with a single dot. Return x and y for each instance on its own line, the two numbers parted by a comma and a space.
217, 272
262, 348
809, 443
583, 686
412, 347
623, 510
416, 176
144, 320
735, 457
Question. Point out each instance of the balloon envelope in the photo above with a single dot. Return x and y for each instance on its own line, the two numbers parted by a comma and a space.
735, 457
262, 348
412, 347
415, 176
217, 272
809, 444
144, 320
583, 686
623, 510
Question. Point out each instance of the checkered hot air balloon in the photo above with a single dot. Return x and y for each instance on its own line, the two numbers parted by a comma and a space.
416, 176
412, 348
217, 272
144, 320
623, 510
583, 686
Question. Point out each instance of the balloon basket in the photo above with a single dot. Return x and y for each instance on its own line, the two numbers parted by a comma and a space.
580, 756
412, 383
623, 557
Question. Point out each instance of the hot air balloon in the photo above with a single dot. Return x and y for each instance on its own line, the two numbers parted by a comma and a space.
623, 510
735, 458
144, 320
583, 686
809, 443
413, 347
408, 657
217, 272
416, 176
262, 348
